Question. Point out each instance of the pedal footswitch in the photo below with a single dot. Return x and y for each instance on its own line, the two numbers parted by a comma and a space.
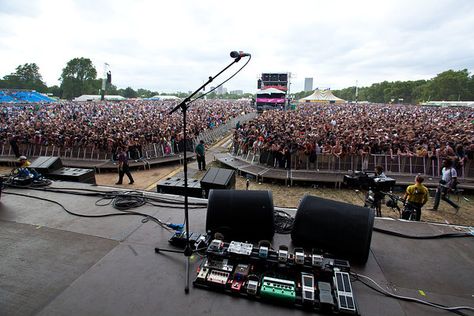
307, 288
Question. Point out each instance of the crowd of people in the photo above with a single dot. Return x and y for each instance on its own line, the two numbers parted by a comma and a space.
311, 129
108, 126
362, 129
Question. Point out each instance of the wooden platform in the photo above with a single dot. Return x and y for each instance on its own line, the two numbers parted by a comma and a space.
261, 173
103, 165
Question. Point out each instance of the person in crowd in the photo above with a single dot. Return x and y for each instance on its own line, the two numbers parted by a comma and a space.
448, 183
123, 167
417, 196
201, 155
13, 139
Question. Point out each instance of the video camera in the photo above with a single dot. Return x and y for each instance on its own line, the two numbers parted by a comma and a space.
368, 180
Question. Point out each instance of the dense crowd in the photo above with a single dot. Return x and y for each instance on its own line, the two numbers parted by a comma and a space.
109, 125
349, 129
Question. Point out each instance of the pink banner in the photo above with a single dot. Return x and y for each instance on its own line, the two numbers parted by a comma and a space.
270, 100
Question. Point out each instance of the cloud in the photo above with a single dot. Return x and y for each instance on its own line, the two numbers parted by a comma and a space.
176, 45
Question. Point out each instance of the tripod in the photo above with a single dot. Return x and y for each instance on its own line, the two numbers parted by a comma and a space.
183, 106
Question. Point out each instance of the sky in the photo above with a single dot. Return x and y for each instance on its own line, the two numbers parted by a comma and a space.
170, 46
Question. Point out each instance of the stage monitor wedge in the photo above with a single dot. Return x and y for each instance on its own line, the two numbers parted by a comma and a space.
342, 229
241, 215
46, 165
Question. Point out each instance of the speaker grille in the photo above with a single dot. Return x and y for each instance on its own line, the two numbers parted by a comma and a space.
241, 215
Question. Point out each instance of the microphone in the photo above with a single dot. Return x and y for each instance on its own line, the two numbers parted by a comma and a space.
240, 54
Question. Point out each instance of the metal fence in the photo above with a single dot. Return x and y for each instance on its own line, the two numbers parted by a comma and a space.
211, 136
331, 163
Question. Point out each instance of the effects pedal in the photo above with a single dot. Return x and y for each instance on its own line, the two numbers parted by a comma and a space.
216, 247
345, 299
202, 274
218, 277
283, 254
278, 289
196, 240
240, 248
325, 295
307, 288
263, 252
299, 256
236, 285
252, 285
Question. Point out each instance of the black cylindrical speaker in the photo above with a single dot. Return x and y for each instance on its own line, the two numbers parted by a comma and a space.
342, 229
241, 215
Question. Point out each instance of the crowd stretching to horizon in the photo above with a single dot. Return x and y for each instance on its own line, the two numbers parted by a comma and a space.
311, 129
360, 129
107, 126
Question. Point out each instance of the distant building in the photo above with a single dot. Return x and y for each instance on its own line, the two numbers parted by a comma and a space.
308, 84
221, 90
237, 92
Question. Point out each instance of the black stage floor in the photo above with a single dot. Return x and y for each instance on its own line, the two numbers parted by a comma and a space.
53, 263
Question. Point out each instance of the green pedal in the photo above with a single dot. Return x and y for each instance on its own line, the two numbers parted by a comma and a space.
278, 289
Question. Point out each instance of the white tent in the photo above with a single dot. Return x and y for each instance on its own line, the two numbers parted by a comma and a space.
164, 97
270, 91
90, 97
322, 96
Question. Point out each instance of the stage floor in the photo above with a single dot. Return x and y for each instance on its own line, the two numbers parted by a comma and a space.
54, 263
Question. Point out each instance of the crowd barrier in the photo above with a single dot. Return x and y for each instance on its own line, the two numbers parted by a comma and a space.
148, 151
330, 163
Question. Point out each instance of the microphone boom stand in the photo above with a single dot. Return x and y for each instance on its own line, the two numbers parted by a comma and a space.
184, 107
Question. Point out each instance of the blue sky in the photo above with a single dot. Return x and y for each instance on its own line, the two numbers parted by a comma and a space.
171, 46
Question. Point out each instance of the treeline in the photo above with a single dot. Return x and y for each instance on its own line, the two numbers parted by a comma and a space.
79, 77
450, 85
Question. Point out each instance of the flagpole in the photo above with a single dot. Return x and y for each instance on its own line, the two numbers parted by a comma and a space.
357, 91
102, 91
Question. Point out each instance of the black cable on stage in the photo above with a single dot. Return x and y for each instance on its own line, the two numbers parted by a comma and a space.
123, 197
283, 222
397, 234
379, 289
146, 216
160, 199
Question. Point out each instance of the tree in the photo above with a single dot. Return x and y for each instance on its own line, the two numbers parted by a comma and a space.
55, 90
79, 77
26, 76
451, 85
144, 93
129, 93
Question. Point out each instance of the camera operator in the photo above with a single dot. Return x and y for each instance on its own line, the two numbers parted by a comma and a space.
378, 196
379, 172
417, 196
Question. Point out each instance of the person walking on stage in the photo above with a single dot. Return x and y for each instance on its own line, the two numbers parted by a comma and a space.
123, 166
201, 155
448, 183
